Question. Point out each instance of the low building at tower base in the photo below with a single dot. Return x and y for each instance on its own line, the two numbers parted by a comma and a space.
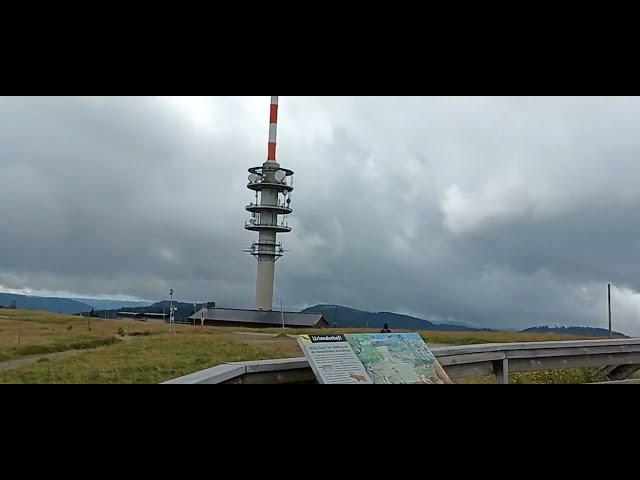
226, 317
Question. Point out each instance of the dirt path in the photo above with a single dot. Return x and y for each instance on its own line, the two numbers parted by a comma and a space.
31, 359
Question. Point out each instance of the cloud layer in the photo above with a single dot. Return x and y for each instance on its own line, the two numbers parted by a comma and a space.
498, 211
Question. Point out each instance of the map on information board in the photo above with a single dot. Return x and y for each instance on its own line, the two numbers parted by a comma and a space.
379, 358
397, 358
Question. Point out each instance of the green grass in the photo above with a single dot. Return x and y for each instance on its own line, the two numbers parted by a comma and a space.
151, 360
58, 345
452, 338
558, 376
42, 317
124, 351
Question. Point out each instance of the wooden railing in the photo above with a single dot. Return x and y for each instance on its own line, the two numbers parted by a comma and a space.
618, 359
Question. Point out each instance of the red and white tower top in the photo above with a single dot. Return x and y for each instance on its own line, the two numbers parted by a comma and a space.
273, 130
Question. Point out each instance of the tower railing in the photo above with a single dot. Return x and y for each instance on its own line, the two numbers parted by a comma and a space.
283, 205
267, 226
266, 249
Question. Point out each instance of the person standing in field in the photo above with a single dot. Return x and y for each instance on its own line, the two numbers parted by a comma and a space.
385, 329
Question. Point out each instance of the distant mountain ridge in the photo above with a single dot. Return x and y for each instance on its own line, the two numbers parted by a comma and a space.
63, 305
110, 304
345, 317
49, 304
583, 331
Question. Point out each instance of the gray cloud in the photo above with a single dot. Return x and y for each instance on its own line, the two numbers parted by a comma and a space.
504, 211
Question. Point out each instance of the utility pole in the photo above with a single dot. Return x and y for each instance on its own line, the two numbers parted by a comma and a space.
610, 330
171, 311
284, 331
195, 310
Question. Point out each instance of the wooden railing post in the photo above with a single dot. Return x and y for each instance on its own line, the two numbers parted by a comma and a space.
501, 370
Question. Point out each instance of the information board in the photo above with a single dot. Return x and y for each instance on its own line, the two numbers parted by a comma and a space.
378, 358
332, 359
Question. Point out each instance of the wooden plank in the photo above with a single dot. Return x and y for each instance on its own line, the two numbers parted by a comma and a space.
276, 365
211, 376
471, 358
577, 361
567, 352
232, 381
492, 347
634, 381
280, 377
470, 370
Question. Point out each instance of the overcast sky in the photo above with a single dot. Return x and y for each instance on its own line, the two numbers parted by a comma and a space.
496, 211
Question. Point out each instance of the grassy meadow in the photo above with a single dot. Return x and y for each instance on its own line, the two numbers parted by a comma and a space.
41, 347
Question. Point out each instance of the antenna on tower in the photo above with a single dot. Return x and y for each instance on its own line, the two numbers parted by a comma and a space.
273, 130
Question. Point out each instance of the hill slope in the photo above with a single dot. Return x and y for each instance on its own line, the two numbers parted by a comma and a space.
582, 331
56, 305
345, 317
110, 304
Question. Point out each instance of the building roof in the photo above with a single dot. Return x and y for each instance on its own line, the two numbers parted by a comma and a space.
261, 317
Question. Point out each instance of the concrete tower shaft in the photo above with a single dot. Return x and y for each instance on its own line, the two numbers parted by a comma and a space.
272, 186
